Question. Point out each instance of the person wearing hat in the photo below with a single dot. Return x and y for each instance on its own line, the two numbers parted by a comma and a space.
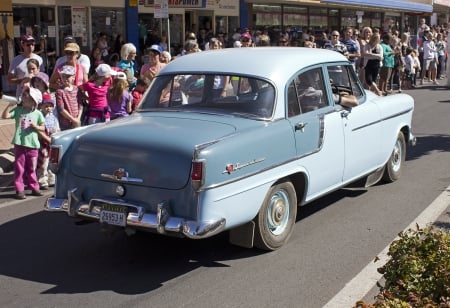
29, 122
154, 65
81, 58
97, 89
40, 82
68, 105
246, 39
72, 50
18, 68
45, 176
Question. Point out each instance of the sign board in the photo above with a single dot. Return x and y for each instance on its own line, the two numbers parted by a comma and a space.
161, 9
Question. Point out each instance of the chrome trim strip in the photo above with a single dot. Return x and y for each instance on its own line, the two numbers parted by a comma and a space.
384, 119
121, 180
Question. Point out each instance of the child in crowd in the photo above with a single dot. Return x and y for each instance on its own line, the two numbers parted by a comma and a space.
97, 89
119, 99
410, 70
141, 85
29, 121
40, 82
68, 102
33, 69
45, 176
417, 66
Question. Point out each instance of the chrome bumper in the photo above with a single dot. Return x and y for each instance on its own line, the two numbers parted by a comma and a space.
162, 221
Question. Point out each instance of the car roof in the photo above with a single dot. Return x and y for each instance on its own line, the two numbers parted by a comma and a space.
266, 62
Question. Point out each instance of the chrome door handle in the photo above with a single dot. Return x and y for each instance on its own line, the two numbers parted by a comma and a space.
300, 126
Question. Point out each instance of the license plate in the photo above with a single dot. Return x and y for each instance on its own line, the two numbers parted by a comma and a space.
114, 215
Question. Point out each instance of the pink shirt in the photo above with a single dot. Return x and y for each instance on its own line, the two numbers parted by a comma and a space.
97, 97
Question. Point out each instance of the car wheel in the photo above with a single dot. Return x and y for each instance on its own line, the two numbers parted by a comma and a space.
395, 163
276, 218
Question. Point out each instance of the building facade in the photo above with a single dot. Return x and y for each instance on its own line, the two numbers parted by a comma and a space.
136, 20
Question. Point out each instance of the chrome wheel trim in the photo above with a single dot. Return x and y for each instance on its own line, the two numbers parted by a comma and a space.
278, 212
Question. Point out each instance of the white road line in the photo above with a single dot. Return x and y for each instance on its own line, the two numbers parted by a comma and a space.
362, 283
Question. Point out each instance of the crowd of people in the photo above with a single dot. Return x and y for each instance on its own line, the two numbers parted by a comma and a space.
110, 82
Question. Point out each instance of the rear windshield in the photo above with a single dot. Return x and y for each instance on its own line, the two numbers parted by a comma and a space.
221, 94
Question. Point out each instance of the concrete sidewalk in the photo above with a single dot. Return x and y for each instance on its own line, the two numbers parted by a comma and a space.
7, 128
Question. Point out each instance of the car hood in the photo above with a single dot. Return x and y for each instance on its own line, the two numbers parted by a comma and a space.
155, 149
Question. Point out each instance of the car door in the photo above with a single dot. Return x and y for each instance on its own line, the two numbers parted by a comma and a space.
361, 125
317, 130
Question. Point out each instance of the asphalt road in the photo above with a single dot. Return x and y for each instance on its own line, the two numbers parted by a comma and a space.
50, 260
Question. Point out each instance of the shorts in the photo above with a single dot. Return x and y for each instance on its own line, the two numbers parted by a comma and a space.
429, 64
385, 72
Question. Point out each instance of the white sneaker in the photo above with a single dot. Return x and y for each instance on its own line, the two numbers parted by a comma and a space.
435, 82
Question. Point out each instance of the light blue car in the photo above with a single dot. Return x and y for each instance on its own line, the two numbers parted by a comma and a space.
232, 140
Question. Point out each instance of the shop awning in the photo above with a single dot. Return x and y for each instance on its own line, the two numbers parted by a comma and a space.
387, 4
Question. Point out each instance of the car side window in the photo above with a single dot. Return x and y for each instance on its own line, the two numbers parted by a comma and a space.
306, 93
343, 78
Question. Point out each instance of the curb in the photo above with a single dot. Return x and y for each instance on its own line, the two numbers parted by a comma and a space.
6, 162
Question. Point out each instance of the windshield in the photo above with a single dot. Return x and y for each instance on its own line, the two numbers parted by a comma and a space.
219, 94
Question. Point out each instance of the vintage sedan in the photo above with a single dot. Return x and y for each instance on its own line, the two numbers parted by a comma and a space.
232, 140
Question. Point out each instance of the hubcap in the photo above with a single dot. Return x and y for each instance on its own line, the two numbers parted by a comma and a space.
397, 156
278, 212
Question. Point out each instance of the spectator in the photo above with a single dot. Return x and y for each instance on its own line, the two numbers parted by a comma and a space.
68, 101
72, 50
45, 176
441, 47
363, 41
137, 93
81, 58
97, 89
246, 40
335, 44
29, 121
102, 43
152, 68
118, 43
352, 46
388, 63
119, 99
18, 68
32, 69
430, 58
165, 57
373, 54
126, 64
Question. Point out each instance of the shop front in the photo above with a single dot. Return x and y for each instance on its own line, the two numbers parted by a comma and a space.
210, 17
50, 23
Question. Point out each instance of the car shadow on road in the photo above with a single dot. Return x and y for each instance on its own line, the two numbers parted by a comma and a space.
427, 144
352, 191
51, 248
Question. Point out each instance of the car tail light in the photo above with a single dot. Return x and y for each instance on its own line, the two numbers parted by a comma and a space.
54, 157
198, 173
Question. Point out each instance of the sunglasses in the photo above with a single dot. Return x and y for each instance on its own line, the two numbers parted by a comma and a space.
29, 44
69, 53
245, 40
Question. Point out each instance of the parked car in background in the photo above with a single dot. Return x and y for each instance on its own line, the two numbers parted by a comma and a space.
232, 140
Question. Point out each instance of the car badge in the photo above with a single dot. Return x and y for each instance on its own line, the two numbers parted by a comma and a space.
120, 173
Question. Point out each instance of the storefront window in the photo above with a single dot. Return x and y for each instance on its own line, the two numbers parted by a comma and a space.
39, 22
318, 18
110, 21
267, 15
296, 17
348, 19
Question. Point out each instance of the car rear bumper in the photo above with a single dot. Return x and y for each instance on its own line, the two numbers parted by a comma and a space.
162, 221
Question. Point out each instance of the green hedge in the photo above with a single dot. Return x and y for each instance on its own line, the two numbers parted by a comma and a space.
418, 271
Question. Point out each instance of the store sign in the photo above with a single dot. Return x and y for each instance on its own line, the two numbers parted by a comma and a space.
442, 2
161, 9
